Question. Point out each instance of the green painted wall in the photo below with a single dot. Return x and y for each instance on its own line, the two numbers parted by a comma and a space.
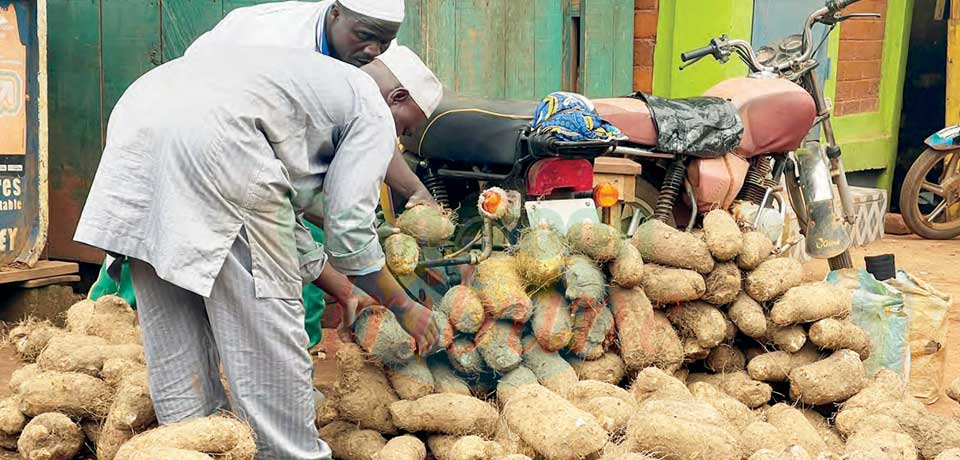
869, 140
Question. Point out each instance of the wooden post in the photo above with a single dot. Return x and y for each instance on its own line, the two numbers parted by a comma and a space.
953, 64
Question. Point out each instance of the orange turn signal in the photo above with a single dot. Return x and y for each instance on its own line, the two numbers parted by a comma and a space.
606, 195
492, 201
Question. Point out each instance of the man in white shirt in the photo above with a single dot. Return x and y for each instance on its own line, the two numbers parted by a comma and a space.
209, 164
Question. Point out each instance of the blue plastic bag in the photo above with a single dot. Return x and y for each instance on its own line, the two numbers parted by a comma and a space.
879, 309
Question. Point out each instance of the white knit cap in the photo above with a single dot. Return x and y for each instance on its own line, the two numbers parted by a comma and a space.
424, 87
387, 10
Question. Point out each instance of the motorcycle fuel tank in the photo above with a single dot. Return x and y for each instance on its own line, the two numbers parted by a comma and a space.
777, 114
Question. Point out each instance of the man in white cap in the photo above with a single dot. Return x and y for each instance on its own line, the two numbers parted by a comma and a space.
209, 163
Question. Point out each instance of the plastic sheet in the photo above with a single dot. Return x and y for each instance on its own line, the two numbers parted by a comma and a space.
700, 126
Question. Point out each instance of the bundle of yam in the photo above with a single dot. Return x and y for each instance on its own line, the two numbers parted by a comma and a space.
671, 345
83, 388
421, 224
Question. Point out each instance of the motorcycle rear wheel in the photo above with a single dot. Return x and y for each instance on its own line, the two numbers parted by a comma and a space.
944, 188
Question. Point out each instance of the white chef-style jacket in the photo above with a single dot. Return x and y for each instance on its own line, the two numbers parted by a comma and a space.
285, 24
205, 145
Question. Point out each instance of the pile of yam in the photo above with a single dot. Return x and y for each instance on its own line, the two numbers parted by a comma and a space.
671, 345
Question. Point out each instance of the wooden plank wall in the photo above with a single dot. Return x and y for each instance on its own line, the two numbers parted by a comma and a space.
517, 49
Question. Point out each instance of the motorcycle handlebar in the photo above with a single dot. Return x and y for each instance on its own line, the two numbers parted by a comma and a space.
837, 5
698, 53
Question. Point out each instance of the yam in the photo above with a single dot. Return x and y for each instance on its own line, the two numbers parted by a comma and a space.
351, 443
540, 255
672, 285
835, 334
168, 453
445, 380
830, 380
737, 414
585, 390
12, 420
464, 356
115, 369
440, 445
21, 375
726, 358
790, 338
699, 320
646, 338
757, 248
499, 344
612, 413
363, 390
552, 425
788, 453
30, 338
463, 307
795, 426
931, 433
110, 318
585, 283
693, 351
762, 435
831, 437
50, 436
592, 330
402, 254
131, 412
722, 284
953, 391
502, 290
512, 380
739, 385
662, 244
445, 413
84, 353
598, 241
654, 384
511, 441
552, 322
775, 366
811, 302
722, 235
609, 368
773, 278
74, 394
412, 380
430, 225
949, 454
380, 334
445, 332
327, 409
222, 437
626, 270
681, 430
469, 448
403, 448
748, 315
880, 445
551, 370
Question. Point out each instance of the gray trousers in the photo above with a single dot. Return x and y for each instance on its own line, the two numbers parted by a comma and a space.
260, 342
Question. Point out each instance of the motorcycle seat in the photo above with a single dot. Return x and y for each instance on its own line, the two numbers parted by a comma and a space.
489, 131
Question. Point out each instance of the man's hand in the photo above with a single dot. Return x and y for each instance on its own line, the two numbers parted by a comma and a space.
419, 322
421, 196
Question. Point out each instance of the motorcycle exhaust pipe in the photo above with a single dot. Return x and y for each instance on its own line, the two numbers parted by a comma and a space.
825, 232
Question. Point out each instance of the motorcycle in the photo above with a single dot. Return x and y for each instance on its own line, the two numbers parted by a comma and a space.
930, 195
737, 148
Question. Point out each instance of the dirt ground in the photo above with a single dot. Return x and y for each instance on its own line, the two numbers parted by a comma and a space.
934, 261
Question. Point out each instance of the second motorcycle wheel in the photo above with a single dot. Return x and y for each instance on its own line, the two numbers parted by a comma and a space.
930, 196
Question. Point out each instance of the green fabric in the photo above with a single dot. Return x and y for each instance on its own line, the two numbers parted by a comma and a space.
313, 301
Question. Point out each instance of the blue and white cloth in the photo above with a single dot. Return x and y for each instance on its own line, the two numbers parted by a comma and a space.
572, 117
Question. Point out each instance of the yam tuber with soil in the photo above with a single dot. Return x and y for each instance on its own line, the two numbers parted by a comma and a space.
592, 329
761, 435
795, 426
662, 244
412, 380
224, 438
363, 390
501, 289
552, 425
540, 256
726, 358
552, 322
775, 366
722, 235
84, 353
739, 385
445, 380
585, 283
513, 380
445, 413
830, 380
653, 383
835, 334
701, 321
21, 375
351, 443
773, 278
131, 412
609, 368
110, 318
12, 419
812, 302
380, 334
403, 448
626, 270
681, 430
428, 224
50, 436
790, 338
551, 370
748, 315
30, 338
646, 338
757, 248
735, 412
664, 285
722, 284
463, 307
499, 344
464, 356
402, 254
597, 241
72, 393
